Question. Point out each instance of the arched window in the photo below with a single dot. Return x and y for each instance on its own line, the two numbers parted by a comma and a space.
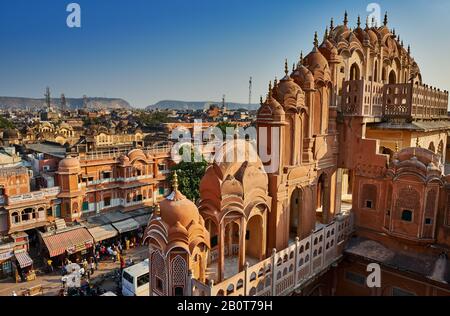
15, 218
392, 77
431, 147
354, 72
375, 71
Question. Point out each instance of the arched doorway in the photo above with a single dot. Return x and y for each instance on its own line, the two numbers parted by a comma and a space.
254, 241
375, 71
431, 147
294, 214
320, 199
354, 72
392, 77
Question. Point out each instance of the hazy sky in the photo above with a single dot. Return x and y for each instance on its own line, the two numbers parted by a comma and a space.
149, 50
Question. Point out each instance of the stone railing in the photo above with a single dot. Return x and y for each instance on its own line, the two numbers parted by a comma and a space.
362, 98
289, 269
405, 101
409, 101
38, 195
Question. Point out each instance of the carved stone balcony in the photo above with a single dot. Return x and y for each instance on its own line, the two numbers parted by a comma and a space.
393, 102
408, 102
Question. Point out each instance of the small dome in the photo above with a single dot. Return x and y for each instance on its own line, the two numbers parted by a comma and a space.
10, 134
304, 78
69, 163
316, 60
287, 87
372, 37
177, 208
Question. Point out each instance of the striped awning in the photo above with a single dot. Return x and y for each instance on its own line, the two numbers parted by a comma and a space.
23, 258
104, 232
71, 241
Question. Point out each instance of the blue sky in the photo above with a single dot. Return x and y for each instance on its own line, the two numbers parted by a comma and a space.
149, 50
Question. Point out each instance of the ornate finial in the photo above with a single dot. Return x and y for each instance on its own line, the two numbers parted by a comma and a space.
293, 67
403, 44
286, 67
393, 32
270, 88
261, 100
345, 18
385, 22
358, 23
316, 40
409, 49
326, 33
367, 22
157, 211
301, 58
331, 25
275, 82
398, 38
396, 147
417, 143
175, 181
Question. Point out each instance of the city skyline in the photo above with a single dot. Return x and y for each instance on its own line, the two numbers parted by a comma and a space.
140, 54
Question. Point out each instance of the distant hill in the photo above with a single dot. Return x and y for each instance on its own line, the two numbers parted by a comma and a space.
198, 105
73, 103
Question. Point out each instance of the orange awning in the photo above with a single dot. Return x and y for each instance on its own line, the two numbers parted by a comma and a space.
70, 241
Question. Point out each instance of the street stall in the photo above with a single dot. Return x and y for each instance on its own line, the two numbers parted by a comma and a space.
128, 230
24, 266
6, 256
74, 244
104, 232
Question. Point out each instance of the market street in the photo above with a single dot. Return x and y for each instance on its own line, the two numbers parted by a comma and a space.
51, 283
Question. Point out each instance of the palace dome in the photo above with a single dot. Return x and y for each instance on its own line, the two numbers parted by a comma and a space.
69, 163
176, 208
10, 134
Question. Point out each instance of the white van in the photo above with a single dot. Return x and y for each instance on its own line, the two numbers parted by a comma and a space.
135, 280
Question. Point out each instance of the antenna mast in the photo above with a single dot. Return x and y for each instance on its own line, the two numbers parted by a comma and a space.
250, 84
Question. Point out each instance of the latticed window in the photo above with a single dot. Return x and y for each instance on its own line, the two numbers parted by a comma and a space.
159, 272
179, 271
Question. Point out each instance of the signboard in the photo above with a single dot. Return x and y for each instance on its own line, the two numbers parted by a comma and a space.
6, 255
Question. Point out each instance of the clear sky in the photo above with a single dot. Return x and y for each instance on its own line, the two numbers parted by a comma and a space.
195, 50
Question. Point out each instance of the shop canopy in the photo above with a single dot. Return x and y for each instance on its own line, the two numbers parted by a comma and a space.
104, 232
126, 225
70, 241
142, 220
23, 258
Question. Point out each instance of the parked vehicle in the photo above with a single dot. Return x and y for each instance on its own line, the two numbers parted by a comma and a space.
135, 280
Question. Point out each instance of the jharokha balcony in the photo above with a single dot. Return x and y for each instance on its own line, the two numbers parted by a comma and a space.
393, 102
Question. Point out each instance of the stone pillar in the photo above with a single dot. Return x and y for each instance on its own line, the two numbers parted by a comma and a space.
221, 261
242, 242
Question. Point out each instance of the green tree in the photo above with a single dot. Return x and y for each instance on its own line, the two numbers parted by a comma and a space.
189, 176
5, 123
223, 127
152, 119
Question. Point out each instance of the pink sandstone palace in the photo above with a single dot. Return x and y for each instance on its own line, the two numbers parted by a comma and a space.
362, 177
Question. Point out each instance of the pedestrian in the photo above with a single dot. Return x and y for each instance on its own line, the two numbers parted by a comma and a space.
122, 264
92, 266
50, 265
96, 259
115, 255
